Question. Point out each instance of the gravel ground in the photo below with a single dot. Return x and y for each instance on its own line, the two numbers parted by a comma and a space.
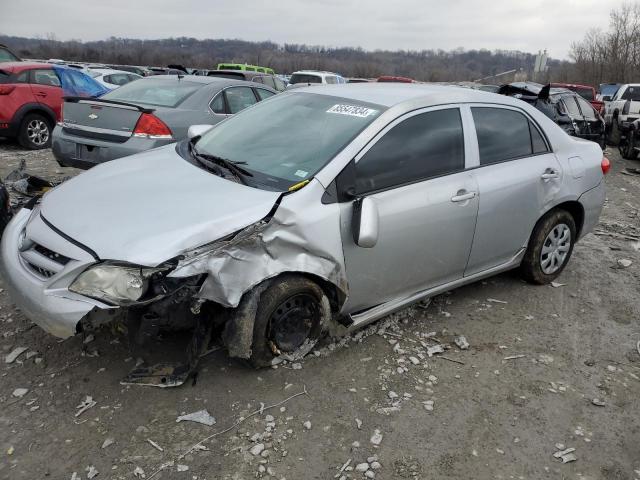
539, 361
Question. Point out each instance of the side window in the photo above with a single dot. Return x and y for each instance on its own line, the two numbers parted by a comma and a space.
217, 104
280, 86
587, 110
45, 77
572, 107
503, 134
331, 79
262, 93
268, 81
239, 98
538, 144
22, 77
423, 146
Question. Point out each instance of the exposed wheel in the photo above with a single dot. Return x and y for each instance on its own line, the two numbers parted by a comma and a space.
614, 133
35, 132
627, 149
290, 317
549, 248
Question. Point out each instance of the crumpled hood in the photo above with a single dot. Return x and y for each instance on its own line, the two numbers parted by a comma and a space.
150, 207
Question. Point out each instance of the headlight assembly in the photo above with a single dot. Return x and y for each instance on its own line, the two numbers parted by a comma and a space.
115, 284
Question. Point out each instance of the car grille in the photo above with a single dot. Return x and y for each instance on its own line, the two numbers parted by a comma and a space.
43, 262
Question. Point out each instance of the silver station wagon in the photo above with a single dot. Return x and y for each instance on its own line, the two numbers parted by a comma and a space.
318, 210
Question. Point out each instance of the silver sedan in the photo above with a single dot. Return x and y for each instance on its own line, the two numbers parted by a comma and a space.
316, 211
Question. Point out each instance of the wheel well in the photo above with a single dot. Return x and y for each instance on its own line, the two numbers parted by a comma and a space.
35, 108
42, 112
577, 212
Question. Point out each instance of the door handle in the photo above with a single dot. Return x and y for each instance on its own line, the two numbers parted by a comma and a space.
463, 196
549, 173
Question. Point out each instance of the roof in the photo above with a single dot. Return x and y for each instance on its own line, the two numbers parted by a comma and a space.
574, 85
320, 72
19, 66
191, 78
390, 94
109, 71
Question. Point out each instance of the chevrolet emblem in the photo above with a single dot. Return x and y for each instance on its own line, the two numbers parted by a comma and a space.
93, 116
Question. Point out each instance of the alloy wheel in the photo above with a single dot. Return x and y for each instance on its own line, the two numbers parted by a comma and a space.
38, 132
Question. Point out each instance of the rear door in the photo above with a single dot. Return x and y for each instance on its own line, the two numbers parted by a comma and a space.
16, 93
427, 204
46, 88
517, 177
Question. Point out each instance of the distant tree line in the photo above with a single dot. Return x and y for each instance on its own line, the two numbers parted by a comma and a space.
612, 55
425, 65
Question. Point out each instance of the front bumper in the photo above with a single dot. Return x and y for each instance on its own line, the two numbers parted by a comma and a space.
45, 300
82, 152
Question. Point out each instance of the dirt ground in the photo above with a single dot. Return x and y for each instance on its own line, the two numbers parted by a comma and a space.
475, 414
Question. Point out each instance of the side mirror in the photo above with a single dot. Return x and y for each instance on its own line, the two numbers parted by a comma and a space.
606, 98
365, 222
198, 130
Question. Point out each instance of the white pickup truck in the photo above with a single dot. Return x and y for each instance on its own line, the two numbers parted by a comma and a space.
622, 110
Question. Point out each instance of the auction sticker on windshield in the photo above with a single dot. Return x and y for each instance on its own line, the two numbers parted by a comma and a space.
352, 110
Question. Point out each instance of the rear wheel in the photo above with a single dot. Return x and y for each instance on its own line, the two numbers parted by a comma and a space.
289, 321
628, 148
614, 133
549, 248
35, 132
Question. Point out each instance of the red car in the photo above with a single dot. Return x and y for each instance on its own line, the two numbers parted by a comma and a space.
586, 92
30, 102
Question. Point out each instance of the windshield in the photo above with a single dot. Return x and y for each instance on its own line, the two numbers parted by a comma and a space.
304, 78
159, 92
286, 139
7, 56
609, 89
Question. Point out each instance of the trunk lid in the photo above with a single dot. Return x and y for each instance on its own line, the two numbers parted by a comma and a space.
148, 208
101, 119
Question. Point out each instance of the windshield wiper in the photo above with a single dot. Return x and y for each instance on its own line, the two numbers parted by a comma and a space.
213, 163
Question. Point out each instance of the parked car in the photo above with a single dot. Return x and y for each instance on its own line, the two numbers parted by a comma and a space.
569, 110
142, 71
145, 114
622, 111
585, 91
7, 55
113, 79
395, 79
245, 67
306, 214
271, 81
606, 91
31, 99
314, 77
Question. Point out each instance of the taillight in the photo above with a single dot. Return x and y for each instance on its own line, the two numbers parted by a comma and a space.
605, 165
150, 126
6, 89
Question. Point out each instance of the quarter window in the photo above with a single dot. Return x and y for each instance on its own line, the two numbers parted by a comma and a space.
505, 135
217, 104
46, 77
239, 98
423, 146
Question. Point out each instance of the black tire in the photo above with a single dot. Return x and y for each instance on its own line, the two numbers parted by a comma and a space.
614, 133
35, 132
531, 267
627, 149
290, 301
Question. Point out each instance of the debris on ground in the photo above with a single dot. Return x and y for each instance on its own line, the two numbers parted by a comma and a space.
597, 402
433, 350
493, 300
20, 392
155, 445
15, 353
514, 357
92, 472
376, 438
85, 405
307, 425
139, 473
557, 284
107, 442
201, 416
623, 263
461, 342
566, 455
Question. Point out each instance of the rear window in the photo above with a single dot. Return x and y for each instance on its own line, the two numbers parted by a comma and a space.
161, 93
231, 75
304, 78
632, 93
586, 93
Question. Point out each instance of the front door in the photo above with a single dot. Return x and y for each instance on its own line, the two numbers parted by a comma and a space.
427, 205
518, 178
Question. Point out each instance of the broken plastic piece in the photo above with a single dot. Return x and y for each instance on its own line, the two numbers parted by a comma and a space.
201, 416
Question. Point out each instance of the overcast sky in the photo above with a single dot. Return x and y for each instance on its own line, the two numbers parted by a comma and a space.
528, 25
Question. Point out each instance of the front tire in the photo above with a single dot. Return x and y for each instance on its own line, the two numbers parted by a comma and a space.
291, 315
627, 150
35, 132
550, 248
